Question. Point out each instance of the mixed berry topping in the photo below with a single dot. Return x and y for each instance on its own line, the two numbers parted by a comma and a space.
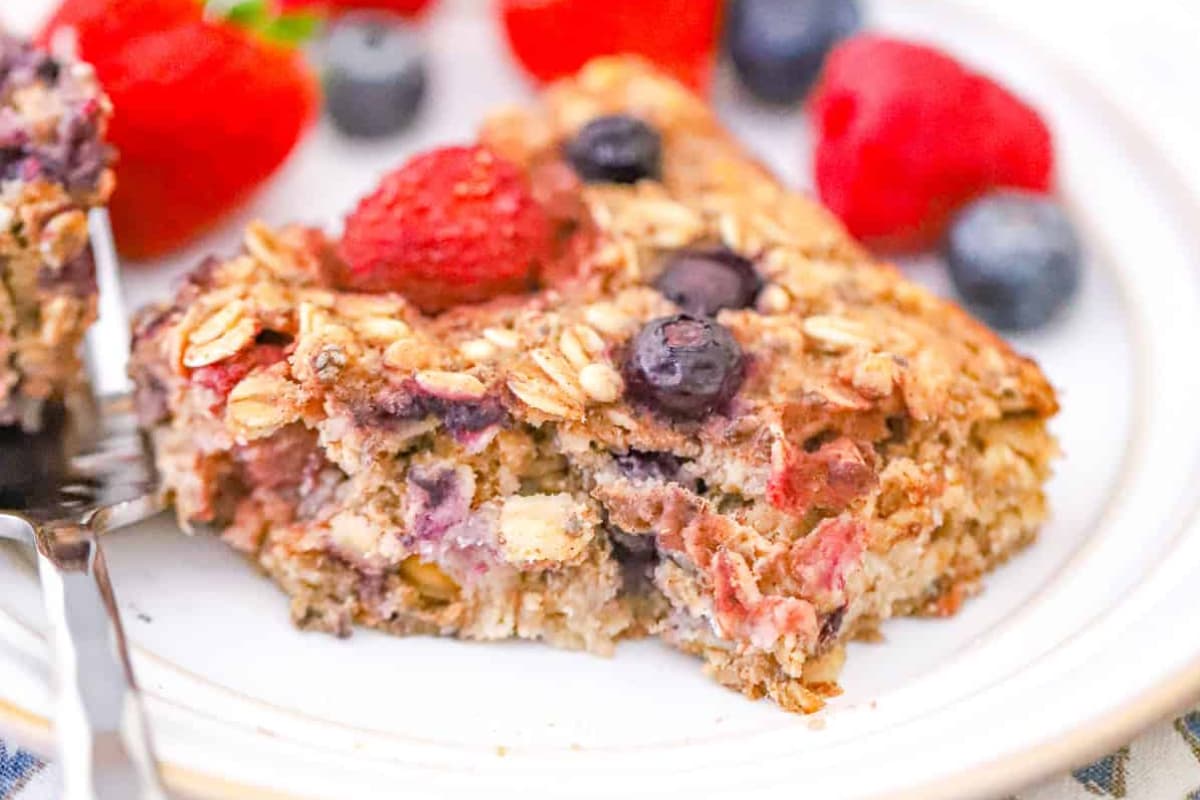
885, 160
453, 225
1014, 257
702, 282
684, 366
779, 46
616, 149
374, 74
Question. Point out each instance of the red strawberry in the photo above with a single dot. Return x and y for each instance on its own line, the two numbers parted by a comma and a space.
552, 38
100, 25
906, 135
406, 8
455, 225
222, 376
204, 111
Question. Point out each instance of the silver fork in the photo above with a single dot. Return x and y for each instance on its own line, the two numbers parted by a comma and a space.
59, 491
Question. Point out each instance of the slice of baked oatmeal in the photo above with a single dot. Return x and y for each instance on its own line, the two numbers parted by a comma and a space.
714, 419
54, 166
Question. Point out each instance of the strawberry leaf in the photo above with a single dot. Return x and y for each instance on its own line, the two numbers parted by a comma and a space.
294, 28
248, 14
289, 29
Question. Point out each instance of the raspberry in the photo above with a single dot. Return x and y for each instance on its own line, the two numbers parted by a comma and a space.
204, 111
222, 376
454, 225
552, 38
906, 135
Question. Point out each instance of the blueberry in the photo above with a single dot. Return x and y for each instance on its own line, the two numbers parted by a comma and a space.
1014, 257
778, 46
702, 282
684, 366
648, 465
616, 149
374, 74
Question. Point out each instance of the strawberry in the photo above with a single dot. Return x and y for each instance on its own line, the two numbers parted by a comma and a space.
405, 8
222, 376
552, 38
99, 25
454, 225
204, 111
906, 135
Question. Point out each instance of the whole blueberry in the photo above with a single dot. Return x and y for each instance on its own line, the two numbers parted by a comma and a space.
778, 46
1014, 257
374, 74
702, 282
616, 149
684, 366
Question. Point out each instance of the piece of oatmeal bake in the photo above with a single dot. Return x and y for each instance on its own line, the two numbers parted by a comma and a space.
54, 166
854, 447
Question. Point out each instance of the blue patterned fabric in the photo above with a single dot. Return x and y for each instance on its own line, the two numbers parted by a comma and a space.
16, 768
1162, 764
1106, 777
1189, 728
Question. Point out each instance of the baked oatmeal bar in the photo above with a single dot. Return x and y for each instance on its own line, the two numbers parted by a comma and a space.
54, 166
521, 468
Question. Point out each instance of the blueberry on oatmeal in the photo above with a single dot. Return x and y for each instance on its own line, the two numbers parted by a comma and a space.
684, 366
616, 149
703, 281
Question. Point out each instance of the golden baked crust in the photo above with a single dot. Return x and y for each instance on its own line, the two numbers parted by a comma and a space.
485, 474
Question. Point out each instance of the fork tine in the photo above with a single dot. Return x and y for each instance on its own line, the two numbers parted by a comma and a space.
108, 338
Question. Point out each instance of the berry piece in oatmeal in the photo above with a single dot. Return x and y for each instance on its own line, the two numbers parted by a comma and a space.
884, 162
581, 463
451, 226
222, 376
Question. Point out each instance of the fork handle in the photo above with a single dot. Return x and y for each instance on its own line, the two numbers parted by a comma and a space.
103, 740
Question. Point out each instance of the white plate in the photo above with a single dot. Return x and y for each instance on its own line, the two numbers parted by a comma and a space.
1075, 644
